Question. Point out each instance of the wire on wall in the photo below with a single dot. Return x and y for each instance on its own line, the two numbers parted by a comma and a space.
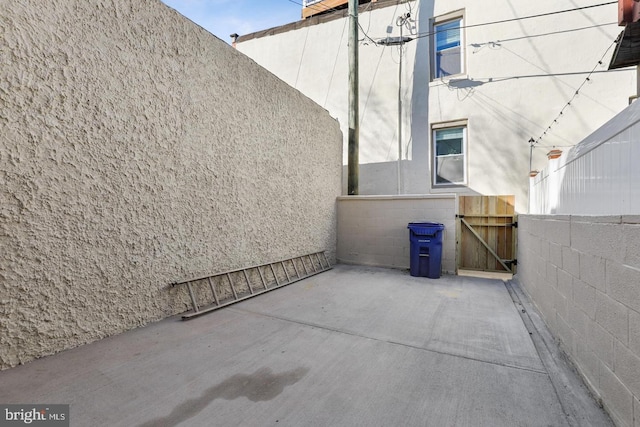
539, 15
588, 79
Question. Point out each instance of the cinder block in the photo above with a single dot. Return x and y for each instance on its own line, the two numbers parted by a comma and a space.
552, 275
592, 271
593, 219
544, 250
571, 261
627, 367
534, 227
634, 332
601, 342
616, 397
558, 232
613, 316
578, 320
555, 254
623, 284
533, 244
565, 284
630, 219
584, 296
565, 333
599, 239
537, 267
632, 244
588, 363
560, 305
524, 221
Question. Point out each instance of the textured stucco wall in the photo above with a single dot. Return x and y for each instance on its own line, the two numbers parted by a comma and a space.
372, 230
583, 274
138, 149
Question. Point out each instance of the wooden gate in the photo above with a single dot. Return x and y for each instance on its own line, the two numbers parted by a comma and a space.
486, 233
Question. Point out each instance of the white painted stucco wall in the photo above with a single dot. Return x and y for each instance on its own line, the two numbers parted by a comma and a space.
519, 76
583, 274
136, 150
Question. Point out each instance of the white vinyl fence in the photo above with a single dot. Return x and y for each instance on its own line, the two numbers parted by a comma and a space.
599, 176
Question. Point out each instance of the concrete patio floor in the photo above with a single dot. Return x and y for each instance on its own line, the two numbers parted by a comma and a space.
354, 346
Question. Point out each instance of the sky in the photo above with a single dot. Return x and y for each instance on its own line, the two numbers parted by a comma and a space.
225, 17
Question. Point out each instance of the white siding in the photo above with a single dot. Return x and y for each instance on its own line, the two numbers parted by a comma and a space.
600, 176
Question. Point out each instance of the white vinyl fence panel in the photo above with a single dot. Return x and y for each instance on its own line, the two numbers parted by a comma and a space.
599, 176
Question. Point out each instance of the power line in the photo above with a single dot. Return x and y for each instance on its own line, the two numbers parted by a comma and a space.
552, 33
539, 15
367, 35
431, 33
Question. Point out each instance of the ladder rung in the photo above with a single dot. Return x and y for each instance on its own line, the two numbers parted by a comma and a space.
284, 267
193, 298
264, 283
319, 262
275, 276
213, 291
293, 261
248, 281
235, 295
306, 272
316, 266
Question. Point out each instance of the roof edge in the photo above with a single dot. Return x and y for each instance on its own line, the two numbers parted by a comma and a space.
319, 19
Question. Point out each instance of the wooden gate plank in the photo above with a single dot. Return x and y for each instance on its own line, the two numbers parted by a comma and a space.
491, 218
485, 244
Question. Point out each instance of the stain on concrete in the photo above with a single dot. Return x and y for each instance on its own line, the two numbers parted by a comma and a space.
262, 385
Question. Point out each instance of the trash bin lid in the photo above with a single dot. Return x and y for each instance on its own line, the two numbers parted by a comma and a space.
425, 228
436, 225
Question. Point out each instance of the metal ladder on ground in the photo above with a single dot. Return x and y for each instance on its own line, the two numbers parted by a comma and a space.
230, 287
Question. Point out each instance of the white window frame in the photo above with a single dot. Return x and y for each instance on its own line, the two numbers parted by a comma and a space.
465, 152
440, 20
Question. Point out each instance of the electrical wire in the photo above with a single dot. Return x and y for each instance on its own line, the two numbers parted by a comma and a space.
575, 94
552, 33
335, 64
367, 35
335, 8
539, 15
431, 33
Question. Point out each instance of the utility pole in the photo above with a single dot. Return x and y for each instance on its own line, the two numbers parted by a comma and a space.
354, 116
399, 41
400, 22
400, 111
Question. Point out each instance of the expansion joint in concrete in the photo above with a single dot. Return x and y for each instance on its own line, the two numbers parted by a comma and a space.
395, 343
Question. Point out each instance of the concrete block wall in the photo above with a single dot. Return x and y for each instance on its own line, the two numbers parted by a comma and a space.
372, 230
583, 274
137, 149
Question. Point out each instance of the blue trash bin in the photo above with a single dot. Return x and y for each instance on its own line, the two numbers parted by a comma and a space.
426, 249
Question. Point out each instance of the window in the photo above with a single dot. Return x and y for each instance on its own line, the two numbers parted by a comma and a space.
448, 52
449, 155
